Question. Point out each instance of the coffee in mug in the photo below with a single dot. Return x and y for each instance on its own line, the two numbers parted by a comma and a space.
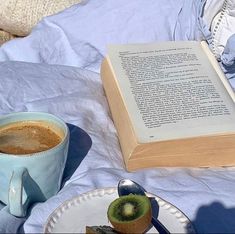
33, 153
28, 137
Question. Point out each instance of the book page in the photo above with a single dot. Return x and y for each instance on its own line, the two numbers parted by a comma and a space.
171, 91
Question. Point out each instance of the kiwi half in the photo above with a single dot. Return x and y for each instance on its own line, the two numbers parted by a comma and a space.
130, 213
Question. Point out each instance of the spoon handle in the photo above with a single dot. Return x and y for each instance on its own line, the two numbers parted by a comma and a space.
159, 226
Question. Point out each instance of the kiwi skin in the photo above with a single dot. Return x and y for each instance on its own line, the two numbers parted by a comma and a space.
135, 220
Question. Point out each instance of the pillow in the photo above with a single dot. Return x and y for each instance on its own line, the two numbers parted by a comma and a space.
19, 16
211, 9
222, 23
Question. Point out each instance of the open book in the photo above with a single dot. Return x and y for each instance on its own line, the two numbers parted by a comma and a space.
171, 105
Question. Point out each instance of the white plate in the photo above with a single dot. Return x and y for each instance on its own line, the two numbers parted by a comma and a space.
90, 209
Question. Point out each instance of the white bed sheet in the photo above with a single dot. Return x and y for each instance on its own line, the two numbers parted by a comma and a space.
78, 39
206, 196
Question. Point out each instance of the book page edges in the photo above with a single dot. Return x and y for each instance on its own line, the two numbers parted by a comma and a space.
209, 151
218, 70
118, 110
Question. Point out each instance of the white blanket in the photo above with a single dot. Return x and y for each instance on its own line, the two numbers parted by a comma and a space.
78, 37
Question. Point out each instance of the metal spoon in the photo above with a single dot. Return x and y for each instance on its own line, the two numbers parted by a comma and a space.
126, 186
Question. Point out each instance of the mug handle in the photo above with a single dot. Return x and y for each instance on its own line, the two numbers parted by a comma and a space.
15, 195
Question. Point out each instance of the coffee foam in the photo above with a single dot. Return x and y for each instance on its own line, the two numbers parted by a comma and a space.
28, 137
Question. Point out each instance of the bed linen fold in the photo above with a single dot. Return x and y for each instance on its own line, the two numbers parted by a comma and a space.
78, 36
58, 73
206, 195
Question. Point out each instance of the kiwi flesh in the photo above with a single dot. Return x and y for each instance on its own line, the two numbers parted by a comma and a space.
130, 213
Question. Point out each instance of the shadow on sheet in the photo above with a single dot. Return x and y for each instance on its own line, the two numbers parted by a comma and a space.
214, 218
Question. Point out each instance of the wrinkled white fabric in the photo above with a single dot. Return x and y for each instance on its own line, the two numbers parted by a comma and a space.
78, 37
77, 96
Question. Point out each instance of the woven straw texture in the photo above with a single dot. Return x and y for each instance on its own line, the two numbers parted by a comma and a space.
18, 17
5, 36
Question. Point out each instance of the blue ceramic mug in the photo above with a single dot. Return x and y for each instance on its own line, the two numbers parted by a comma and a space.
33, 177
